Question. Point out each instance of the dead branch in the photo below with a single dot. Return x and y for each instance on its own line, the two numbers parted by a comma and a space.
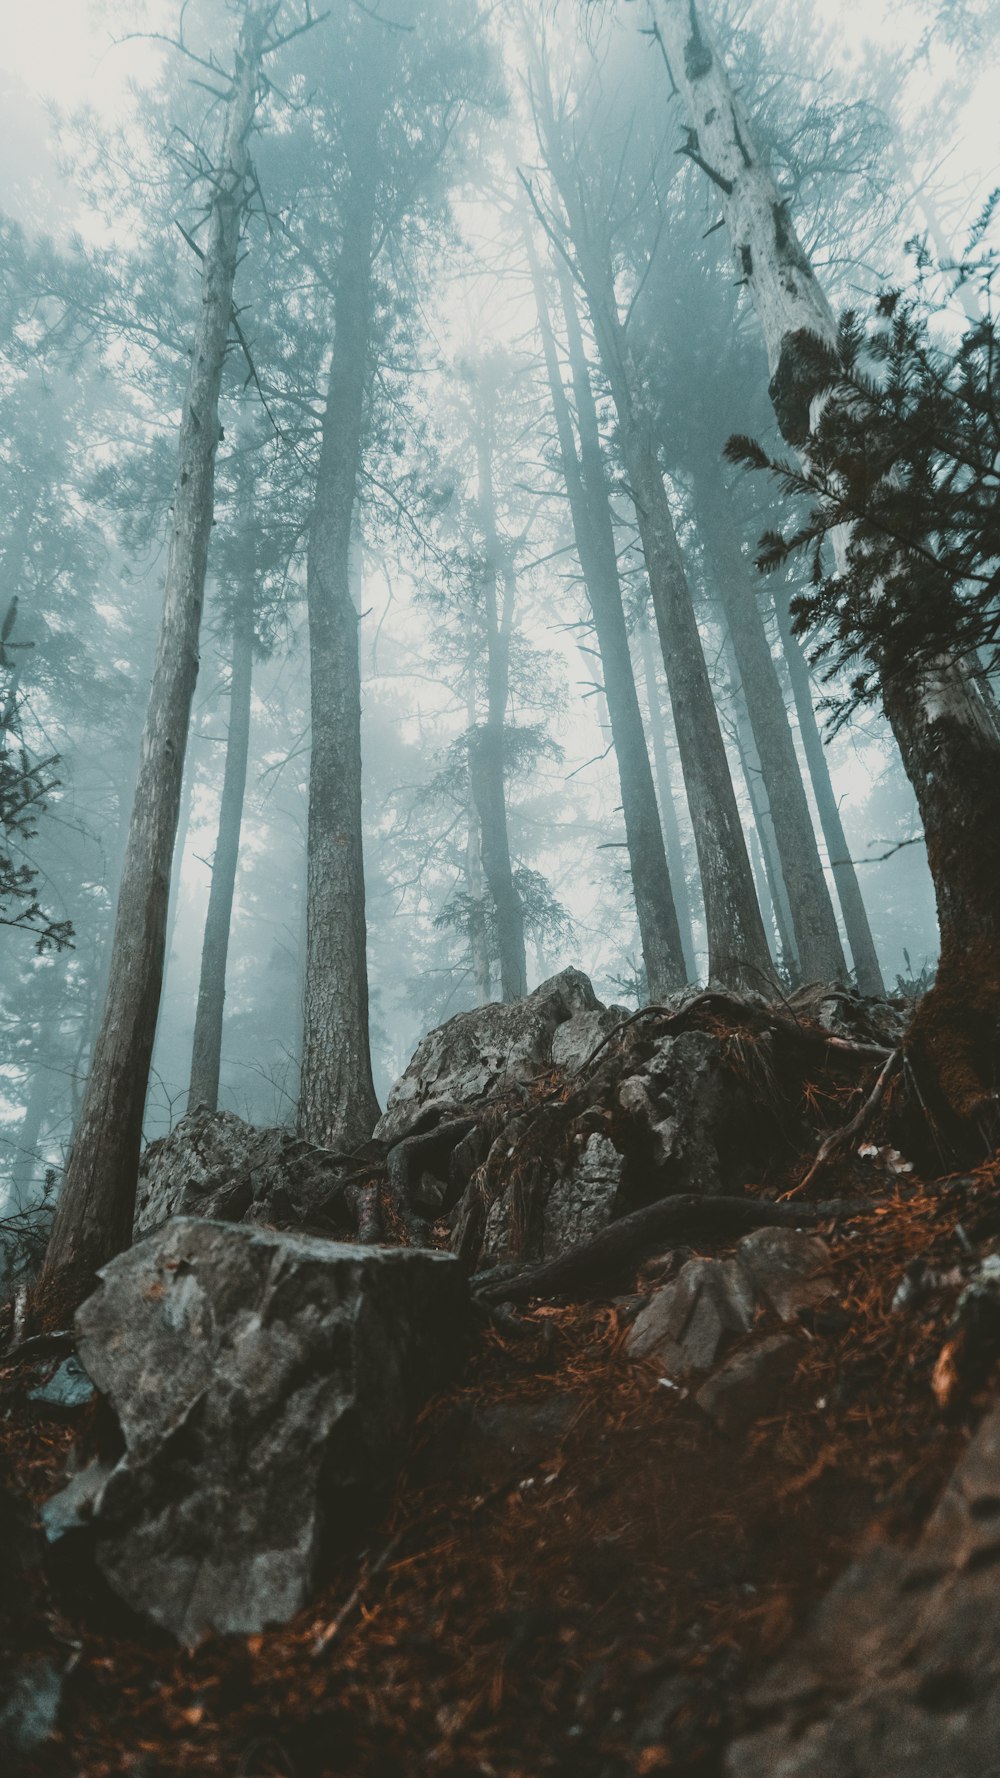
839, 1138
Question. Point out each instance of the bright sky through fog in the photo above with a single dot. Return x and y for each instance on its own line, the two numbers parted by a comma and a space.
62, 50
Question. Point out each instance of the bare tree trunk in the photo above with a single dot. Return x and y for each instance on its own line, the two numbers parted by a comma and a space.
593, 530
817, 939
94, 1216
668, 809
738, 954
478, 948
337, 1103
763, 834
948, 742
867, 969
24, 1172
486, 742
206, 1049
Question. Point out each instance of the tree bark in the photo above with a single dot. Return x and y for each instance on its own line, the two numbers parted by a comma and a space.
593, 530
738, 954
867, 969
817, 939
486, 740
95, 1211
948, 743
478, 947
206, 1049
337, 1104
753, 777
668, 808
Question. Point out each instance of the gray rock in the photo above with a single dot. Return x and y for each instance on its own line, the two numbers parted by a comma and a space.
213, 1164
685, 1324
29, 1712
478, 1051
264, 1385
574, 1043
582, 1202
898, 1676
689, 1112
787, 1269
749, 1383
69, 1387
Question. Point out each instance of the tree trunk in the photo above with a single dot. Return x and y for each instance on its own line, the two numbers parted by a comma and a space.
867, 969
337, 1104
817, 939
24, 1172
753, 777
478, 947
738, 954
206, 1049
94, 1216
593, 530
948, 743
486, 741
668, 809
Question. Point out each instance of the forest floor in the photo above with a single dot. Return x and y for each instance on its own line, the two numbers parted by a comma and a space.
577, 1573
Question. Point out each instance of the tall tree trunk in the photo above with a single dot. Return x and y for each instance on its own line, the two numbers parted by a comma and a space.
867, 969
24, 1172
478, 947
817, 939
948, 743
753, 777
669, 823
738, 954
337, 1103
96, 1207
206, 1049
486, 741
593, 530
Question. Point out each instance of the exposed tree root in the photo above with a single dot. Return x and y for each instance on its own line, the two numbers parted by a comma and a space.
595, 1266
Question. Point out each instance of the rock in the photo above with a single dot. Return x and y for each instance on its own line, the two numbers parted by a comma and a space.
748, 1385
845, 1013
31, 1685
479, 1051
787, 1270
898, 1676
213, 1164
574, 1043
264, 1385
582, 1202
31, 1694
68, 1388
688, 1114
686, 1322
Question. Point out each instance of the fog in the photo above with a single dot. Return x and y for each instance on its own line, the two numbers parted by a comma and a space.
440, 197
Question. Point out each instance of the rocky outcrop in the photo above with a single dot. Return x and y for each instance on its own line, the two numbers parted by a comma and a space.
263, 1385
899, 1674
213, 1164
479, 1052
689, 1322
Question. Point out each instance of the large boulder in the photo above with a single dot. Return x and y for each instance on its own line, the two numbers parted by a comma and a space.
687, 1116
264, 1385
214, 1165
899, 1674
477, 1052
